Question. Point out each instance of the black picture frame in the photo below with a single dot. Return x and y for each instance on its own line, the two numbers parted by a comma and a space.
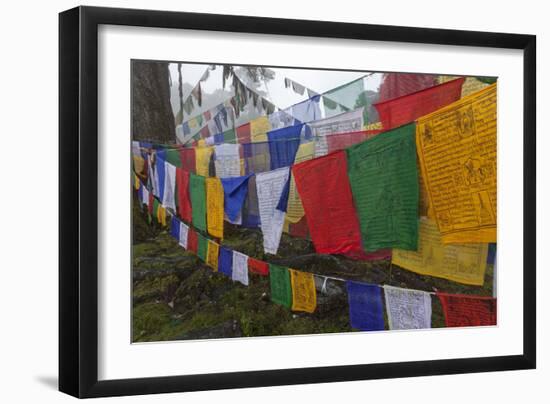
78, 196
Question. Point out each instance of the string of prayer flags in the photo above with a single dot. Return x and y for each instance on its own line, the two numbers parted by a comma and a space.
212, 252
258, 267
269, 186
169, 193
184, 235
295, 210
202, 160
283, 145
466, 311
235, 191
304, 297
184, 198
193, 241
326, 196
408, 309
197, 188
175, 228
225, 261
240, 268
214, 207
365, 306
461, 182
464, 263
227, 160
408, 108
281, 288
383, 175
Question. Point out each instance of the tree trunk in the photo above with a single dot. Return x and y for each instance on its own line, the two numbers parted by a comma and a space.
152, 116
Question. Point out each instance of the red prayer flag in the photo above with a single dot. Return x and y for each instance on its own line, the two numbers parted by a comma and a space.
398, 84
258, 267
299, 229
184, 199
325, 191
206, 115
205, 132
465, 310
341, 141
151, 202
192, 240
243, 133
405, 109
187, 157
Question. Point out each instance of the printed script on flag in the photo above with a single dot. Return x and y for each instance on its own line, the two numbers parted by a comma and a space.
464, 263
457, 151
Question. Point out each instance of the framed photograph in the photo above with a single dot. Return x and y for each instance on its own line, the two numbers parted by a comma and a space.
251, 201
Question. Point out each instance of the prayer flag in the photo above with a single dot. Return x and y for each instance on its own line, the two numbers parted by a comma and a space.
464, 263
184, 199
173, 157
227, 160
304, 297
184, 235
465, 310
225, 262
408, 309
365, 306
175, 228
281, 289
259, 128
251, 210
159, 171
169, 193
214, 207
400, 111
295, 210
240, 268
283, 145
257, 157
202, 246
197, 190
341, 141
187, 158
193, 241
269, 186
396, 85
326, 196
383, 175
258, 267
243, 133
235, 191
212, 252
458, 157
202, 156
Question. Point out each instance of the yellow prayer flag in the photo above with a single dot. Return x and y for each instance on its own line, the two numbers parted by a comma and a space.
259, 128
470, 85
214, 207
304, 296
464, 263
295, 210
193, 123
161, 215
212, 252
136, 182
139, 164
456, 147
202, 160
201, 143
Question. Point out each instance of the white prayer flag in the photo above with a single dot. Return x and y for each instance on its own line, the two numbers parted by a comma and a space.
136, 150
184, 231
154, 177
240, 268
408, 309
144, 195
342, 123
227, 160
269, 186
168, 199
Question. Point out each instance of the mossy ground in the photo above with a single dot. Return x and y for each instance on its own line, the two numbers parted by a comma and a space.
176, 296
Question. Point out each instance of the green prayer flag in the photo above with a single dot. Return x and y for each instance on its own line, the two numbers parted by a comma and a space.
202, 246
197, 189
384, 181
229, 136
173, 157
343, 98
281, 289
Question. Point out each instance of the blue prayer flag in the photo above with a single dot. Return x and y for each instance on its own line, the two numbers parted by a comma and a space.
234, 195
283, 145
186, 128
283, 200
218, 138
175, 228
159, 166
365, 306
491, 253
225, 261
